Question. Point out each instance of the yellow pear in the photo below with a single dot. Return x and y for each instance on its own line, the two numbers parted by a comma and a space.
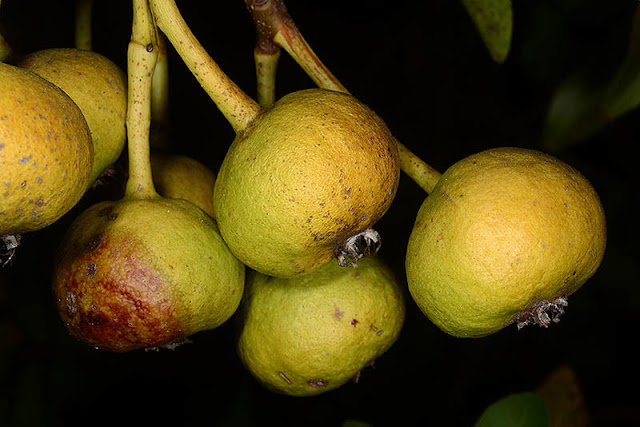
98, 86
505, 237
312, 172
46, 154
182, 177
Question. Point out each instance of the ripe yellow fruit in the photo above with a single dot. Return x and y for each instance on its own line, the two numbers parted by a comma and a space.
98, 86
505, 237
46, 154
313, 333
182, 177
313, 170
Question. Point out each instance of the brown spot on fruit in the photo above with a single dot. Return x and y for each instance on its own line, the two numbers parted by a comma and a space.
318, 383
94, 243
284, 377
91, 269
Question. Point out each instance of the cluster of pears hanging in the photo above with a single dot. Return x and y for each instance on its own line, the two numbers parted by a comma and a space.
505, 235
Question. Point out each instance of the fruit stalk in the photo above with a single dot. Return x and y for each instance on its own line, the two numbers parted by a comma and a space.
237, 107
83, 13
266, 66
160, 97
141, 61
266, 56
273, 20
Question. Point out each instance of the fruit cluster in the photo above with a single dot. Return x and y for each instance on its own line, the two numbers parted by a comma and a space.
283, 233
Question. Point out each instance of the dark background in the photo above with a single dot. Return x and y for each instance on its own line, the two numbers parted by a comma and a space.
423, 68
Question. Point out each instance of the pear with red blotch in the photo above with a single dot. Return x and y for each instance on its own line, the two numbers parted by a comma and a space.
143, 273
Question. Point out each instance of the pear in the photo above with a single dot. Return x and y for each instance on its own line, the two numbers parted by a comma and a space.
183, 177
144, 273
98, 86
506, 236
304, 180
46, 154
310, 334
307, 174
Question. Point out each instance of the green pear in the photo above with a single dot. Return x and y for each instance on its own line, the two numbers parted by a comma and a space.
98, 86
310, 334
144, 273
46, 154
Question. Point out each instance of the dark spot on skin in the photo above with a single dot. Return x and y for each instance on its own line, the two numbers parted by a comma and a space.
94, 243
105, 212
150, 47
318, 383
90, 269
354, 322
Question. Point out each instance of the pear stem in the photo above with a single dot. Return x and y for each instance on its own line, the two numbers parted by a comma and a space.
160, 97
271, 17
238, 108
83, 14
141, 61
266, 66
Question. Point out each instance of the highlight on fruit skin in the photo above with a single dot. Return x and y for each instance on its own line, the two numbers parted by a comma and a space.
144, 273
315, 169
506, 236
311, 334
46, 153
98, 86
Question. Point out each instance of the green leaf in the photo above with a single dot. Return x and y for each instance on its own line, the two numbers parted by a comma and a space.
516, 410
494, 21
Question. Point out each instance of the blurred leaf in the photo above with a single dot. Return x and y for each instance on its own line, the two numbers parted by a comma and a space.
623, 92
563, 399
580, 108
494, 20
574, 112
516, 410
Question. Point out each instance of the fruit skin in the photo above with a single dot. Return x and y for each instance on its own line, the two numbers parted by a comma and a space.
503, 232
98, 86
142, 273
46, 154
182, 177
311, 334
309, 172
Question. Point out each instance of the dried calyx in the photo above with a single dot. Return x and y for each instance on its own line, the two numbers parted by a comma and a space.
8, 245
542, 313
354, 248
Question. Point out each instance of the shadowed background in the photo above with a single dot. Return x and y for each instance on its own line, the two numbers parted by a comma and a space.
423, 68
